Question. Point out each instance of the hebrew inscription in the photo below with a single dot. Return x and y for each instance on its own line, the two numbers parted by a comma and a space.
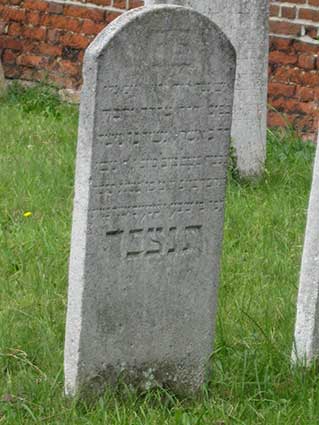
245, 22
149, 202
140, 174
156, 240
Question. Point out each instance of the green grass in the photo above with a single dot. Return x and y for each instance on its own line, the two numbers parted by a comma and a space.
252, 380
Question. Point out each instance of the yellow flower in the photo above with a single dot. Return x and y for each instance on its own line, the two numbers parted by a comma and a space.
27, 214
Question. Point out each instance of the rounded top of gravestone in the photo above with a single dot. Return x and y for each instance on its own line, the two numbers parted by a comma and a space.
165, 17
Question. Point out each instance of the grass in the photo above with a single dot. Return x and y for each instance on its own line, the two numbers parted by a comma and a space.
252, 380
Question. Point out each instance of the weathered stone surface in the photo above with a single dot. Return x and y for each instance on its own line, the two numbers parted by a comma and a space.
245, 23
149, 201
306, 343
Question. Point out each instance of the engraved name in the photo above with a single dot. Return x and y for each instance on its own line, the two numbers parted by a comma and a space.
141, 242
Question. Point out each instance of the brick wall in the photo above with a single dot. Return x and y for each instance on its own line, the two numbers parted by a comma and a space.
42, 39
294, 65
46, 40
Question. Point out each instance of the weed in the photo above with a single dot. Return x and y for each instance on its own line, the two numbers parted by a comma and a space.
40, 99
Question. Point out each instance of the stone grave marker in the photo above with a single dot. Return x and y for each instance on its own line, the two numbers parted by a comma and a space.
152, 152
245, 23
306, 342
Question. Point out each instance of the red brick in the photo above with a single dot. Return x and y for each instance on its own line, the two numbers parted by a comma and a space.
12, 2
27, 73
69, 68
65, 82
36, 4
283, 104
295, 106
53, 35
288, 12
269, 70
135, 3
70, 54
30, 46
13, 14
9, 56
81, 56
110, 16
280, 43
33, 17
304, 123
310, 79
32, 60
310, 108
300, 46
4, 27
305, 94
120, 4
280, 57
7, 42
101, 2
75, 40
276, 119
15, 29
61, 22
84, 12
49, 50
307, 61
56, 8
312, 31
11, 71
274, 10
285, 28
288, 75
279, 89
310, 14
38, 33
91, 28
296, 75
313, 2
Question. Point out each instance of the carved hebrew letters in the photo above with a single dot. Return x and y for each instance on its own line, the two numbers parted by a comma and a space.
245, 22
149, 202
156, 240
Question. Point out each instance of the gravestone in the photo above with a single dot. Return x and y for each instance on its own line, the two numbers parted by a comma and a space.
306, 343
245, 23
154, 133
